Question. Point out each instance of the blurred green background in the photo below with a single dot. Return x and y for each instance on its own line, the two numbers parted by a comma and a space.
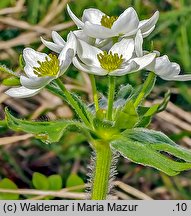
22, 22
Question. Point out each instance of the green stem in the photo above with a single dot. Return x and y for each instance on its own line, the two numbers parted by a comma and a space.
95, 95
72, 102
143, 92
111, 97
102, 171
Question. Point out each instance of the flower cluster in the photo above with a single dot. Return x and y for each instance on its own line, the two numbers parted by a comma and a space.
102, 45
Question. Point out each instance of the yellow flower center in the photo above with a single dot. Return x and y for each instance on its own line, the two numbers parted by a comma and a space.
108, 21
49, 67
110, 61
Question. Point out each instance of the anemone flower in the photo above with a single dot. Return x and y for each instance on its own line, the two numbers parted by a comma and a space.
118, 61
160, 65
97, 24
40, 69
58, 42
167, 70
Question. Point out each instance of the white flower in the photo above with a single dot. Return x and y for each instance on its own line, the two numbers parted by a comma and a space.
118, 61
58, 42
96, 24
40, 69
161, 66
167, 70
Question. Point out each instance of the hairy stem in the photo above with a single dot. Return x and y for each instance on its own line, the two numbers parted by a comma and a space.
102, 171
143, 92
95, 96
111, 97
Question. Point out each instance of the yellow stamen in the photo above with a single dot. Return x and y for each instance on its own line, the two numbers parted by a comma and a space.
110, 61
49, 67
108, 21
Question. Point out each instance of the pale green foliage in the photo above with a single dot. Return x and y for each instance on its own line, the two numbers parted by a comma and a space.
147, 147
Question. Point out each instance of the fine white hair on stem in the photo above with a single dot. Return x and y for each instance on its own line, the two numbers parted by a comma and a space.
91, 173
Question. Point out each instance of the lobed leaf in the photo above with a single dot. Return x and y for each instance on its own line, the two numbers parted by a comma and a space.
51, 131
147, 147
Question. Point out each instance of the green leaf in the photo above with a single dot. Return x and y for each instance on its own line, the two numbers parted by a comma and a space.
40, 181
123, 95
11, 81
4, 69
83, 107
146, 113
149, 148
55, 182
165, 101
145, 118
8, 184
74, 180
126, 117
21, 61
124, 92
51, 131
144, 90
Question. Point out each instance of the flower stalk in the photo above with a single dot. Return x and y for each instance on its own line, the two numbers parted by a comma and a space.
72, 102
111, 97
146, 84
100, 187
94, 90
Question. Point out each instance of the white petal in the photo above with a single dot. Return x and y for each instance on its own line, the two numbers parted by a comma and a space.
129, 68
29, 71
175, 68
139, 44
64, 64
52, 46
80, 35
126, 23
88, 54
98, 31
151, 66
77, 21
89, 69
163, 66
22, 92
92, 15
145, 60
179, 78
167, 70
57, 38
69, 48
104, 44
35, 83
145, 34
125, 48
31, 57
146, 25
